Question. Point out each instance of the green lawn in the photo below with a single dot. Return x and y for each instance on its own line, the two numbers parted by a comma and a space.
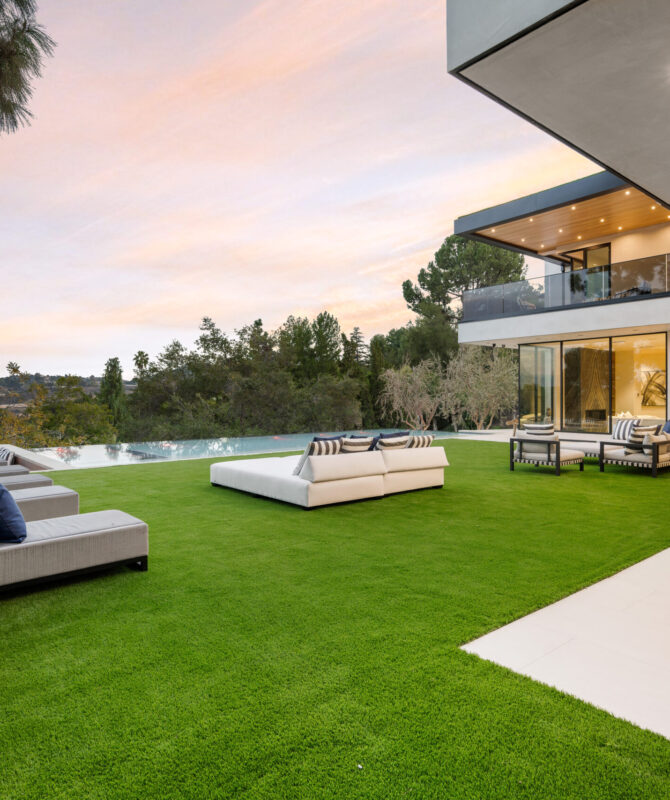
271, 652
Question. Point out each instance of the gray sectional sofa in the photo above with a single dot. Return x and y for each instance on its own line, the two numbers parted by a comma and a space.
60, 542
68, 546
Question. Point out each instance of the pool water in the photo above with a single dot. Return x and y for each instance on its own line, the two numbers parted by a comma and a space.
105, 455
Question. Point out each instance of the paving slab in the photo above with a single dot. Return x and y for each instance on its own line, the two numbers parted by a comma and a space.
608, 644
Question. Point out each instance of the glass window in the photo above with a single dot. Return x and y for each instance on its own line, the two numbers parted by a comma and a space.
586, 385
539, 383
639, 376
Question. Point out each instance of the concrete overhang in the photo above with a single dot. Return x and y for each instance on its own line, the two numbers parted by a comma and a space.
593, 73
651, 315
556, 220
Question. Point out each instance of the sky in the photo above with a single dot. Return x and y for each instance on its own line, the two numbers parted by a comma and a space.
246, 160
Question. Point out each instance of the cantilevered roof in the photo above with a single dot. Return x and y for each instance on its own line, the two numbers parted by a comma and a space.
593, 73
597, 207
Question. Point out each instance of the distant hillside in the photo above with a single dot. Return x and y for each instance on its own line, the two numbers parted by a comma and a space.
12, 386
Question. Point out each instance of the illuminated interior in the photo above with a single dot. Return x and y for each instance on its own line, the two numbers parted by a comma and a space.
585, 385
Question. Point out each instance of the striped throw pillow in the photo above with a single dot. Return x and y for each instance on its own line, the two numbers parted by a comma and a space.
650, 439
356, 444
636, 437
6, 456
540, 429
421, 440
393, 442
319, 446
623, 427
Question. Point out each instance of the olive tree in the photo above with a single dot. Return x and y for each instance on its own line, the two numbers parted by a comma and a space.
413, 395
481, 384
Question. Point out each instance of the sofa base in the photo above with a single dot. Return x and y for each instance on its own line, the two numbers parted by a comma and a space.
411, 480
140, 564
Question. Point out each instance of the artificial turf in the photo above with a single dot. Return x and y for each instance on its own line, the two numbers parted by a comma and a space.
271, 652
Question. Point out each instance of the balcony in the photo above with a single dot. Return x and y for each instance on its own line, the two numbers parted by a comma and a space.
638, 279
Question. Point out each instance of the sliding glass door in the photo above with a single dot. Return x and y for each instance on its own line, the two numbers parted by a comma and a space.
539, 382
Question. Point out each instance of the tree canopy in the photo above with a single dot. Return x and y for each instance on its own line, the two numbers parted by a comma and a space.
460, 264
23, 45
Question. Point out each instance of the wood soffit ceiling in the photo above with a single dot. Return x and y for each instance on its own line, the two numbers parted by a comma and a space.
564, 228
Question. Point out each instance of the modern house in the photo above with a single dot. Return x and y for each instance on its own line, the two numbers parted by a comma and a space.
592, 333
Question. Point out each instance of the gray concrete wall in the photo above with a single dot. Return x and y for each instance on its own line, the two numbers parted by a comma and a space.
475, 26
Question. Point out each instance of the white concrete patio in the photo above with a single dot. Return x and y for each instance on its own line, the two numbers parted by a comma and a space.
608, 644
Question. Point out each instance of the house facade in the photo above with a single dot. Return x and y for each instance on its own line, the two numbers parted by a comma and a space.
592, 333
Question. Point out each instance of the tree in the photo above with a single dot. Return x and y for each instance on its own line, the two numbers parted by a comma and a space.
327, 346
413, 395
23, 44
141, 362
459, 265
482, 383
112, 393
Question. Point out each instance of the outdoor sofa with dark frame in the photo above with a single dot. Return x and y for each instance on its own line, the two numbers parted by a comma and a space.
538, 459
658, 459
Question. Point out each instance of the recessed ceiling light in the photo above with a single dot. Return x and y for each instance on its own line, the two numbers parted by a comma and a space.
493, 230
579, 237
560, 230
523, 240
573, 208
627, 191
541, 246
602, 219
653, 208
620, 228
530, 220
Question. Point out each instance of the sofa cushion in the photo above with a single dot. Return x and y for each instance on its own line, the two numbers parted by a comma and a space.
319, 446
12, 524
421, 440
623, 427
566, 455
7, 470
535, 444
392, 441
545, 429
6, 456
405, 459
346, 465
662, 440
636, 437
356, 444
638, 458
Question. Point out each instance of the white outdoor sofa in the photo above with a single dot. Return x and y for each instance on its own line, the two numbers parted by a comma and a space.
341, 478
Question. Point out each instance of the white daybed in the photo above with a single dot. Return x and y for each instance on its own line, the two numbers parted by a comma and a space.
324, 480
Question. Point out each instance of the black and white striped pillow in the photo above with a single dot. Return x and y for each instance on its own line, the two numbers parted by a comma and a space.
623, 427
421, 440
319, 447
540, 429
6, 456
356, 444
636, 438
393, 442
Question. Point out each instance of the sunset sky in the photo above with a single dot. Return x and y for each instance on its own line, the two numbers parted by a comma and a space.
240, 160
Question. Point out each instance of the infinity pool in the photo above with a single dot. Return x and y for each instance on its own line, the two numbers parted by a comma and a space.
105, 455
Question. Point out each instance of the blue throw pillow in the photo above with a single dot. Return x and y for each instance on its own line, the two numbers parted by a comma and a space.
326, 438
12, 524
666, 427
392, 435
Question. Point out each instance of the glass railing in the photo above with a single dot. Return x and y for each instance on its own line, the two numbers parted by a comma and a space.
638, 278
